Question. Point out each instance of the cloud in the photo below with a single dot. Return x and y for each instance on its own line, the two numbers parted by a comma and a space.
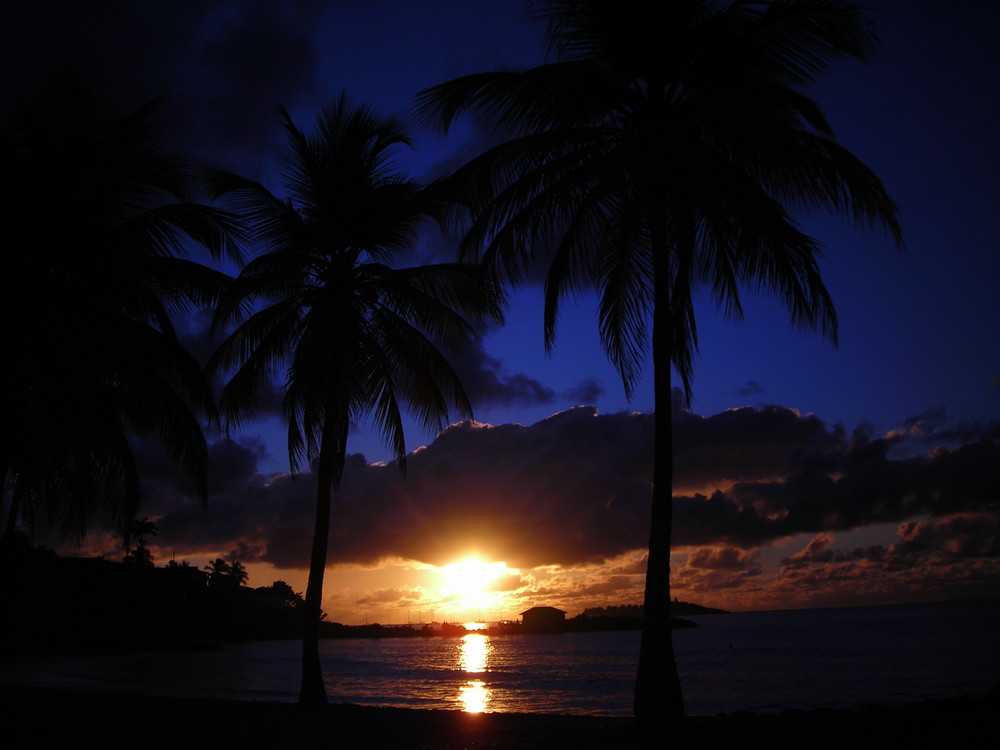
930, 558
574, 489
820, 550
853, 485
404, 596
933, 428
569, 489
750, 388
488, 384
247, 64
748, 444
715, 569
587, 391
507, 582
719, 558
223, 67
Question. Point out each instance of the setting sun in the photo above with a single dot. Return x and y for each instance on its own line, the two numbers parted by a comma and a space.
471, 576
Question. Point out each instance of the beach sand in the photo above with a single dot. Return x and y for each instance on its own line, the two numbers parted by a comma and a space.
50, 718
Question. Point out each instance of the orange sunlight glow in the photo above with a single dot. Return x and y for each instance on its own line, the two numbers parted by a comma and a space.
471, 577
474, 660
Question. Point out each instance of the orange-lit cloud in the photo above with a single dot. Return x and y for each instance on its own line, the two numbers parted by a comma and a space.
564, 503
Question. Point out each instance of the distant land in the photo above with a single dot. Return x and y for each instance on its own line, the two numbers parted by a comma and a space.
93, 605
635, 610
594, 619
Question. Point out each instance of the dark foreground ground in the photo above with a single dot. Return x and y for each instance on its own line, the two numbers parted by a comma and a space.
48, 718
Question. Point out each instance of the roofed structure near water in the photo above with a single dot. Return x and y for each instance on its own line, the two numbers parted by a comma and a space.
543, 620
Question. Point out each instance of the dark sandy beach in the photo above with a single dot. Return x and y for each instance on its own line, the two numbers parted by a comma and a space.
44, 718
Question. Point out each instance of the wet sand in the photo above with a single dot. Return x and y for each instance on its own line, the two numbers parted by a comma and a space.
43, 718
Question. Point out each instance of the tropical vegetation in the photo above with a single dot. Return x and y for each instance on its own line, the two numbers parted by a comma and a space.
660, 154
660, 158
96, 220
352, 337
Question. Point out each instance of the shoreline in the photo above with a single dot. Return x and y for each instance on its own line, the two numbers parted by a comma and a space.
49, 717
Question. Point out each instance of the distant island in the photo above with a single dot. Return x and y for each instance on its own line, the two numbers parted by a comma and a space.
594, 619
84, 605
677, 608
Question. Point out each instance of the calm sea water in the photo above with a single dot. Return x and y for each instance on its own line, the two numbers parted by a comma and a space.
761, 661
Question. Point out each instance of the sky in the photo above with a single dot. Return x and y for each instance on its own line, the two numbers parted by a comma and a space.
807, 475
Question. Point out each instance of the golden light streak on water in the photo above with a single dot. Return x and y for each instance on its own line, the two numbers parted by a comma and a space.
474, 659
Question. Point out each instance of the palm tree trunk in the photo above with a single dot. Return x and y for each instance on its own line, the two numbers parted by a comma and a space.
312, 692
658, 695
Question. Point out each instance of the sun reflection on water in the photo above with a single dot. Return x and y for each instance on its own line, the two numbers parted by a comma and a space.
473, 658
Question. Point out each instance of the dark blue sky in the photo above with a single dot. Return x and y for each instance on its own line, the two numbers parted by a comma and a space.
919, 346
918, 329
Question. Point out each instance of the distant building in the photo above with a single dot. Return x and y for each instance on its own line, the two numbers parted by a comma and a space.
543, 620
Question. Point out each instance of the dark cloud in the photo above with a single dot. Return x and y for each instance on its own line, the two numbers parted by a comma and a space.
575, 489
571, 488
954, 556
248, 64
933, 428
820, 550
488, 384
718, 558
636, 566
957, 536
715, 568
587, 391
864, 486
750, 388
223, 67
748, 444
615, 586
235, 520
398, 597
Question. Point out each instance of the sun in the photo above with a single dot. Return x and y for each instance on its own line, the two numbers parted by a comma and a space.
471, 576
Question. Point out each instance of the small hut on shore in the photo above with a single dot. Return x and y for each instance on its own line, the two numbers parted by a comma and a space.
543, 620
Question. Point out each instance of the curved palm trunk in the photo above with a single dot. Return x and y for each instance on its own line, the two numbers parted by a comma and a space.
312, 692
658, 695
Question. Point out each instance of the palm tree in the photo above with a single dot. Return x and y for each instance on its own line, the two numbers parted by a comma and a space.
238, 573
218, 571
359, 338
139, 529
662, 150
95, 217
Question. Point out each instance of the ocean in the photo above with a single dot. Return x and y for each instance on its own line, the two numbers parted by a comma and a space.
757, 661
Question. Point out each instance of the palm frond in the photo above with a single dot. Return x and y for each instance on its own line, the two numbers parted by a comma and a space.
695, 105
624, 270
102, 217
253, 352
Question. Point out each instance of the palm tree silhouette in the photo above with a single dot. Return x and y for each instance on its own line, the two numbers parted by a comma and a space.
238, 573
95, 219
218, 571
360, 338
139, 529
659, 153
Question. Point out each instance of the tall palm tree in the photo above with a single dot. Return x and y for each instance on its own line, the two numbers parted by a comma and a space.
661, 150
360, 338
139, 529
94, 219
238, 573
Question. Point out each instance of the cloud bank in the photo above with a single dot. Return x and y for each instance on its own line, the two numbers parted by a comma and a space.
574, 489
